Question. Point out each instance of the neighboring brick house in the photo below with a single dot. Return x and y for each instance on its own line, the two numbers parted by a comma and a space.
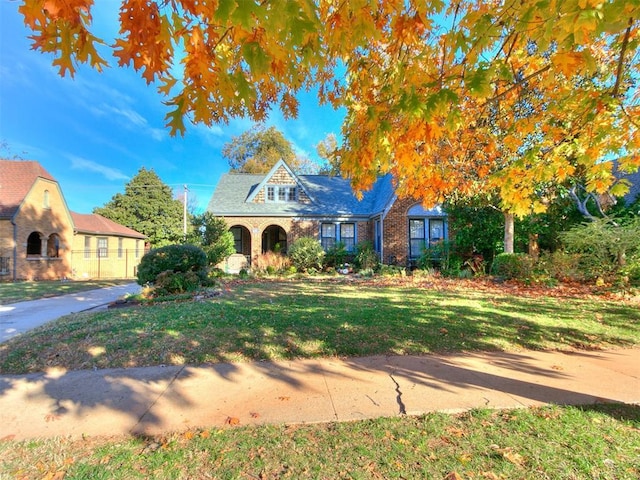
269, 211
40, 238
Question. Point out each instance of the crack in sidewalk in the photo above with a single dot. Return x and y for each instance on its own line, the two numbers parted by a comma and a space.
144, 414
401, 405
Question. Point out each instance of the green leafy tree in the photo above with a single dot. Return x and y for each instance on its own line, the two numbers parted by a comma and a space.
147, 206
213, 236
259, 149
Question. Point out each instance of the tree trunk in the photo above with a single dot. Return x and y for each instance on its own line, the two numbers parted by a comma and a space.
508, 232
534, 248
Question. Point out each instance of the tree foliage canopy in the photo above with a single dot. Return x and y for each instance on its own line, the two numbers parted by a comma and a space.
147, 205
449, 96
257, 150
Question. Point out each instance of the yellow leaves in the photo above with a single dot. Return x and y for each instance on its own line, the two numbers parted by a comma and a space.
568, 63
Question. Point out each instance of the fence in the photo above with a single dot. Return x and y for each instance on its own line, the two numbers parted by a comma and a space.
103, 263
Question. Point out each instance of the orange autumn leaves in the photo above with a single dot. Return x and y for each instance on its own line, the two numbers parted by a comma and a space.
452, 98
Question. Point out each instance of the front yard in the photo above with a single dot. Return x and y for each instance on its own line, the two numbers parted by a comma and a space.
284, 319
278, 319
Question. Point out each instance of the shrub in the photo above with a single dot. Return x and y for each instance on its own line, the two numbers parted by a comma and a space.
306, 254
366, 257
604, 246
336, 255
513, 266
271, 263
173, 259
392, 271
560, 265
169, 282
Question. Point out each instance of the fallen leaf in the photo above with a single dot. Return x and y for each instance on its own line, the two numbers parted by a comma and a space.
254, 415
232, 421
284, 399
453, 476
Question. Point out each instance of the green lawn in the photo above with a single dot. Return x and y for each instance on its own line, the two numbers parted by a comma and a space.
595, 442
304, 319
11, 292
273, 320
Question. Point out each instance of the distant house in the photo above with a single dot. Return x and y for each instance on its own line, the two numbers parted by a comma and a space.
40, 238
270, 211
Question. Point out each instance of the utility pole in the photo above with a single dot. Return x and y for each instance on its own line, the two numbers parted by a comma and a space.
184, 214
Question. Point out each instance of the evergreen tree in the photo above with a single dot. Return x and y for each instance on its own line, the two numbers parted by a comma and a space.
147, 206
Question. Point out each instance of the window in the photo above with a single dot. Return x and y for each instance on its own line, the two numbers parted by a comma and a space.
328, 235
4, 265
120, 249
103, 244
348, 236
87, 247
416, 237
424, 232
137, 248
45, 200
53, 246
281, 193
331, 233
237, 238
34, 245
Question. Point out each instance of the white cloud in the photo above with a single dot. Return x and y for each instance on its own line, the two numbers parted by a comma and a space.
78, 163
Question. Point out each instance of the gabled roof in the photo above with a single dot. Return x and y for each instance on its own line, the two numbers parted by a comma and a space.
98, 225
332, 197
16, 179
267, 178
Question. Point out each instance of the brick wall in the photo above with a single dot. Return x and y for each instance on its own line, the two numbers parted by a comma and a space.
44, 212
396, 232
295, 228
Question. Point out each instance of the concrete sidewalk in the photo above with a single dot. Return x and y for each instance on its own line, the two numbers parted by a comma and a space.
17, 318
147, 401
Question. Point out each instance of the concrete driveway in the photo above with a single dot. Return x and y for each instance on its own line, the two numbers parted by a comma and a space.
17, 318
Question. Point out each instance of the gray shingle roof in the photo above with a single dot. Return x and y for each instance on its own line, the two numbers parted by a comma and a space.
332, 196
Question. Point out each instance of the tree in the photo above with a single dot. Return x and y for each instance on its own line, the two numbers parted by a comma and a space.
419, 80
327, 149
257, 150
213, 236
147, 206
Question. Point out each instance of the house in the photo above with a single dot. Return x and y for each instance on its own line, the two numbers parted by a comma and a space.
269, 211
40, 238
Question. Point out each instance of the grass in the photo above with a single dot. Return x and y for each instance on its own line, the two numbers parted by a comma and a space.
275, 320
306, 319
601, 441
24, 291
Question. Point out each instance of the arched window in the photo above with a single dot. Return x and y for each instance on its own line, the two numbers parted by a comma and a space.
45, 200
53, 246
34, 244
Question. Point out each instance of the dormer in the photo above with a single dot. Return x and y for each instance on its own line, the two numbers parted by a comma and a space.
280, 185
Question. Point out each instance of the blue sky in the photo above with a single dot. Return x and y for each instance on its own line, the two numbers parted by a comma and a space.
95, 131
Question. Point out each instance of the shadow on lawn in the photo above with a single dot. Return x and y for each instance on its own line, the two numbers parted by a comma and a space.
149, 401
278, 323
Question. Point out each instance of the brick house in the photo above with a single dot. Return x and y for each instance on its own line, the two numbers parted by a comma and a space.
269, 211
40, 238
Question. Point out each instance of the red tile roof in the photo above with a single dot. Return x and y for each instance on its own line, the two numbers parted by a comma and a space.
16, 179
99, 225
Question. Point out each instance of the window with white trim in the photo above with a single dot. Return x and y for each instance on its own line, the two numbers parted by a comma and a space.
103, 246
87, 247
282, 193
